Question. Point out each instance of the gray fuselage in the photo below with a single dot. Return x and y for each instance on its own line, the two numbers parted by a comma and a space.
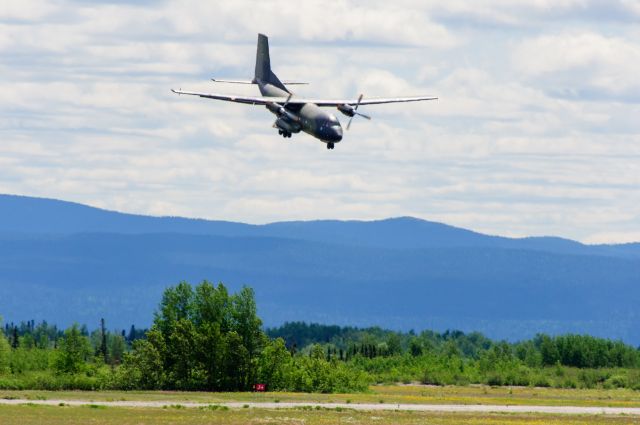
308, 117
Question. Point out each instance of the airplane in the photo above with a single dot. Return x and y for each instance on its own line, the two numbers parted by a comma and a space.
294, 114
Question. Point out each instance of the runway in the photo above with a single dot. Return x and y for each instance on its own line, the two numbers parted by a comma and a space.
461, 408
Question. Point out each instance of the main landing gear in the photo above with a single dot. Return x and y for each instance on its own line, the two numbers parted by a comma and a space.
284, 133
330, 145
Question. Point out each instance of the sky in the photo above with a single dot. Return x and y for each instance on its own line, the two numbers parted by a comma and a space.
536, 130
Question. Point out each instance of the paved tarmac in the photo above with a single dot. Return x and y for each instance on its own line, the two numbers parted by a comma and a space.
463, 408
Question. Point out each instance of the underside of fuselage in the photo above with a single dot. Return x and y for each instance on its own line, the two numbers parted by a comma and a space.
307, 117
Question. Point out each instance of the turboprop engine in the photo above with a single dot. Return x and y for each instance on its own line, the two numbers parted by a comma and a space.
352, 111
348, 110
284, 124
287, 122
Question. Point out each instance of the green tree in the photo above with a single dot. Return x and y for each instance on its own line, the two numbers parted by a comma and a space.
27, 341
176, 304
212, 305
274, 365
117, 346
450, 349
248, 327
415, 347
532, 357
210, 352
181, 352
204, 338
548, 350
394, 344
5, 353
236, 364
246, 321
143, 368
73, 351
102, 349
15, 342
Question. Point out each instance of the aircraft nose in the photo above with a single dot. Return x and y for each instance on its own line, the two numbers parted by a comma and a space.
337, 133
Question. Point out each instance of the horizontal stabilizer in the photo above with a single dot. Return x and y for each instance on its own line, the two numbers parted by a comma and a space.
218, 80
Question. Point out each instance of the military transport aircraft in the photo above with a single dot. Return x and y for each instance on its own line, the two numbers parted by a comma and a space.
295, 114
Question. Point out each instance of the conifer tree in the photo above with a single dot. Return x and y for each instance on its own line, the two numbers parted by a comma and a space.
103, 341
132, 334
16, 340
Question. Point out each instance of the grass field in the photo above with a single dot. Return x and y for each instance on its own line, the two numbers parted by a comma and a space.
32, 414
409, 394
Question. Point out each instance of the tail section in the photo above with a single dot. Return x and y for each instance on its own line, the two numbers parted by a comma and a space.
263, 72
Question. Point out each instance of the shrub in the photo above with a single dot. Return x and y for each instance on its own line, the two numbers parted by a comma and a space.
616, 381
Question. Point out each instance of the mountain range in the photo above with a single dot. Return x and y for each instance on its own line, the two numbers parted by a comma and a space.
65, 262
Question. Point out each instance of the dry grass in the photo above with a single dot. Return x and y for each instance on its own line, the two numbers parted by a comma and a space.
32, 414
410, 394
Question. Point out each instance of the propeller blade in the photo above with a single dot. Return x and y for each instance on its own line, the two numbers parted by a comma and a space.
358, 103
355, 109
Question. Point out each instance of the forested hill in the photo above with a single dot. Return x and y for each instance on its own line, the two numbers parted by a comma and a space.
27, 215
67, 262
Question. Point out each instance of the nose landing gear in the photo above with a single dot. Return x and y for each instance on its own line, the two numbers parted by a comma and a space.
330, 145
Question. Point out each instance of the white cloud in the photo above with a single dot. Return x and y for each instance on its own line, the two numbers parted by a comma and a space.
613, 237
25, 11
86, 113
583, 63
531, 13
316, 20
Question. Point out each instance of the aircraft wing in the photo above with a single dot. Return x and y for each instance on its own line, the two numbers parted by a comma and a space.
263, 100
369, 101
251, 100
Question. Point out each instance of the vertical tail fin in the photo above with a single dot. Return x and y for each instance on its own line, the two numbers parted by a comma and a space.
263, 64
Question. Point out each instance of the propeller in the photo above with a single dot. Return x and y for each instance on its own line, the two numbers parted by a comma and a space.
355, 112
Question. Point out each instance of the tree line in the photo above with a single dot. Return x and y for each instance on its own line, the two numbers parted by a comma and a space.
202, 338
580, 351
28, 334
205, 338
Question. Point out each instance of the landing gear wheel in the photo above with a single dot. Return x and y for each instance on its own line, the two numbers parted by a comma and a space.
330, 146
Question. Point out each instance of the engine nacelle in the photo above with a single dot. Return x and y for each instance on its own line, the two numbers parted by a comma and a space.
289, 116
282, 112
284, 124
348, 110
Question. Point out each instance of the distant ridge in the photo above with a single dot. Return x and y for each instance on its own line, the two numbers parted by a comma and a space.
66, 262
29, 215
22, 214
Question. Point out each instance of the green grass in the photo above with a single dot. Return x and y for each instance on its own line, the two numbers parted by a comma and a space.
54, 415
389, 394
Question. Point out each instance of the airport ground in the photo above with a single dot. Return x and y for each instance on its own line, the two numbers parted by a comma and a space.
34, 414
382, 405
